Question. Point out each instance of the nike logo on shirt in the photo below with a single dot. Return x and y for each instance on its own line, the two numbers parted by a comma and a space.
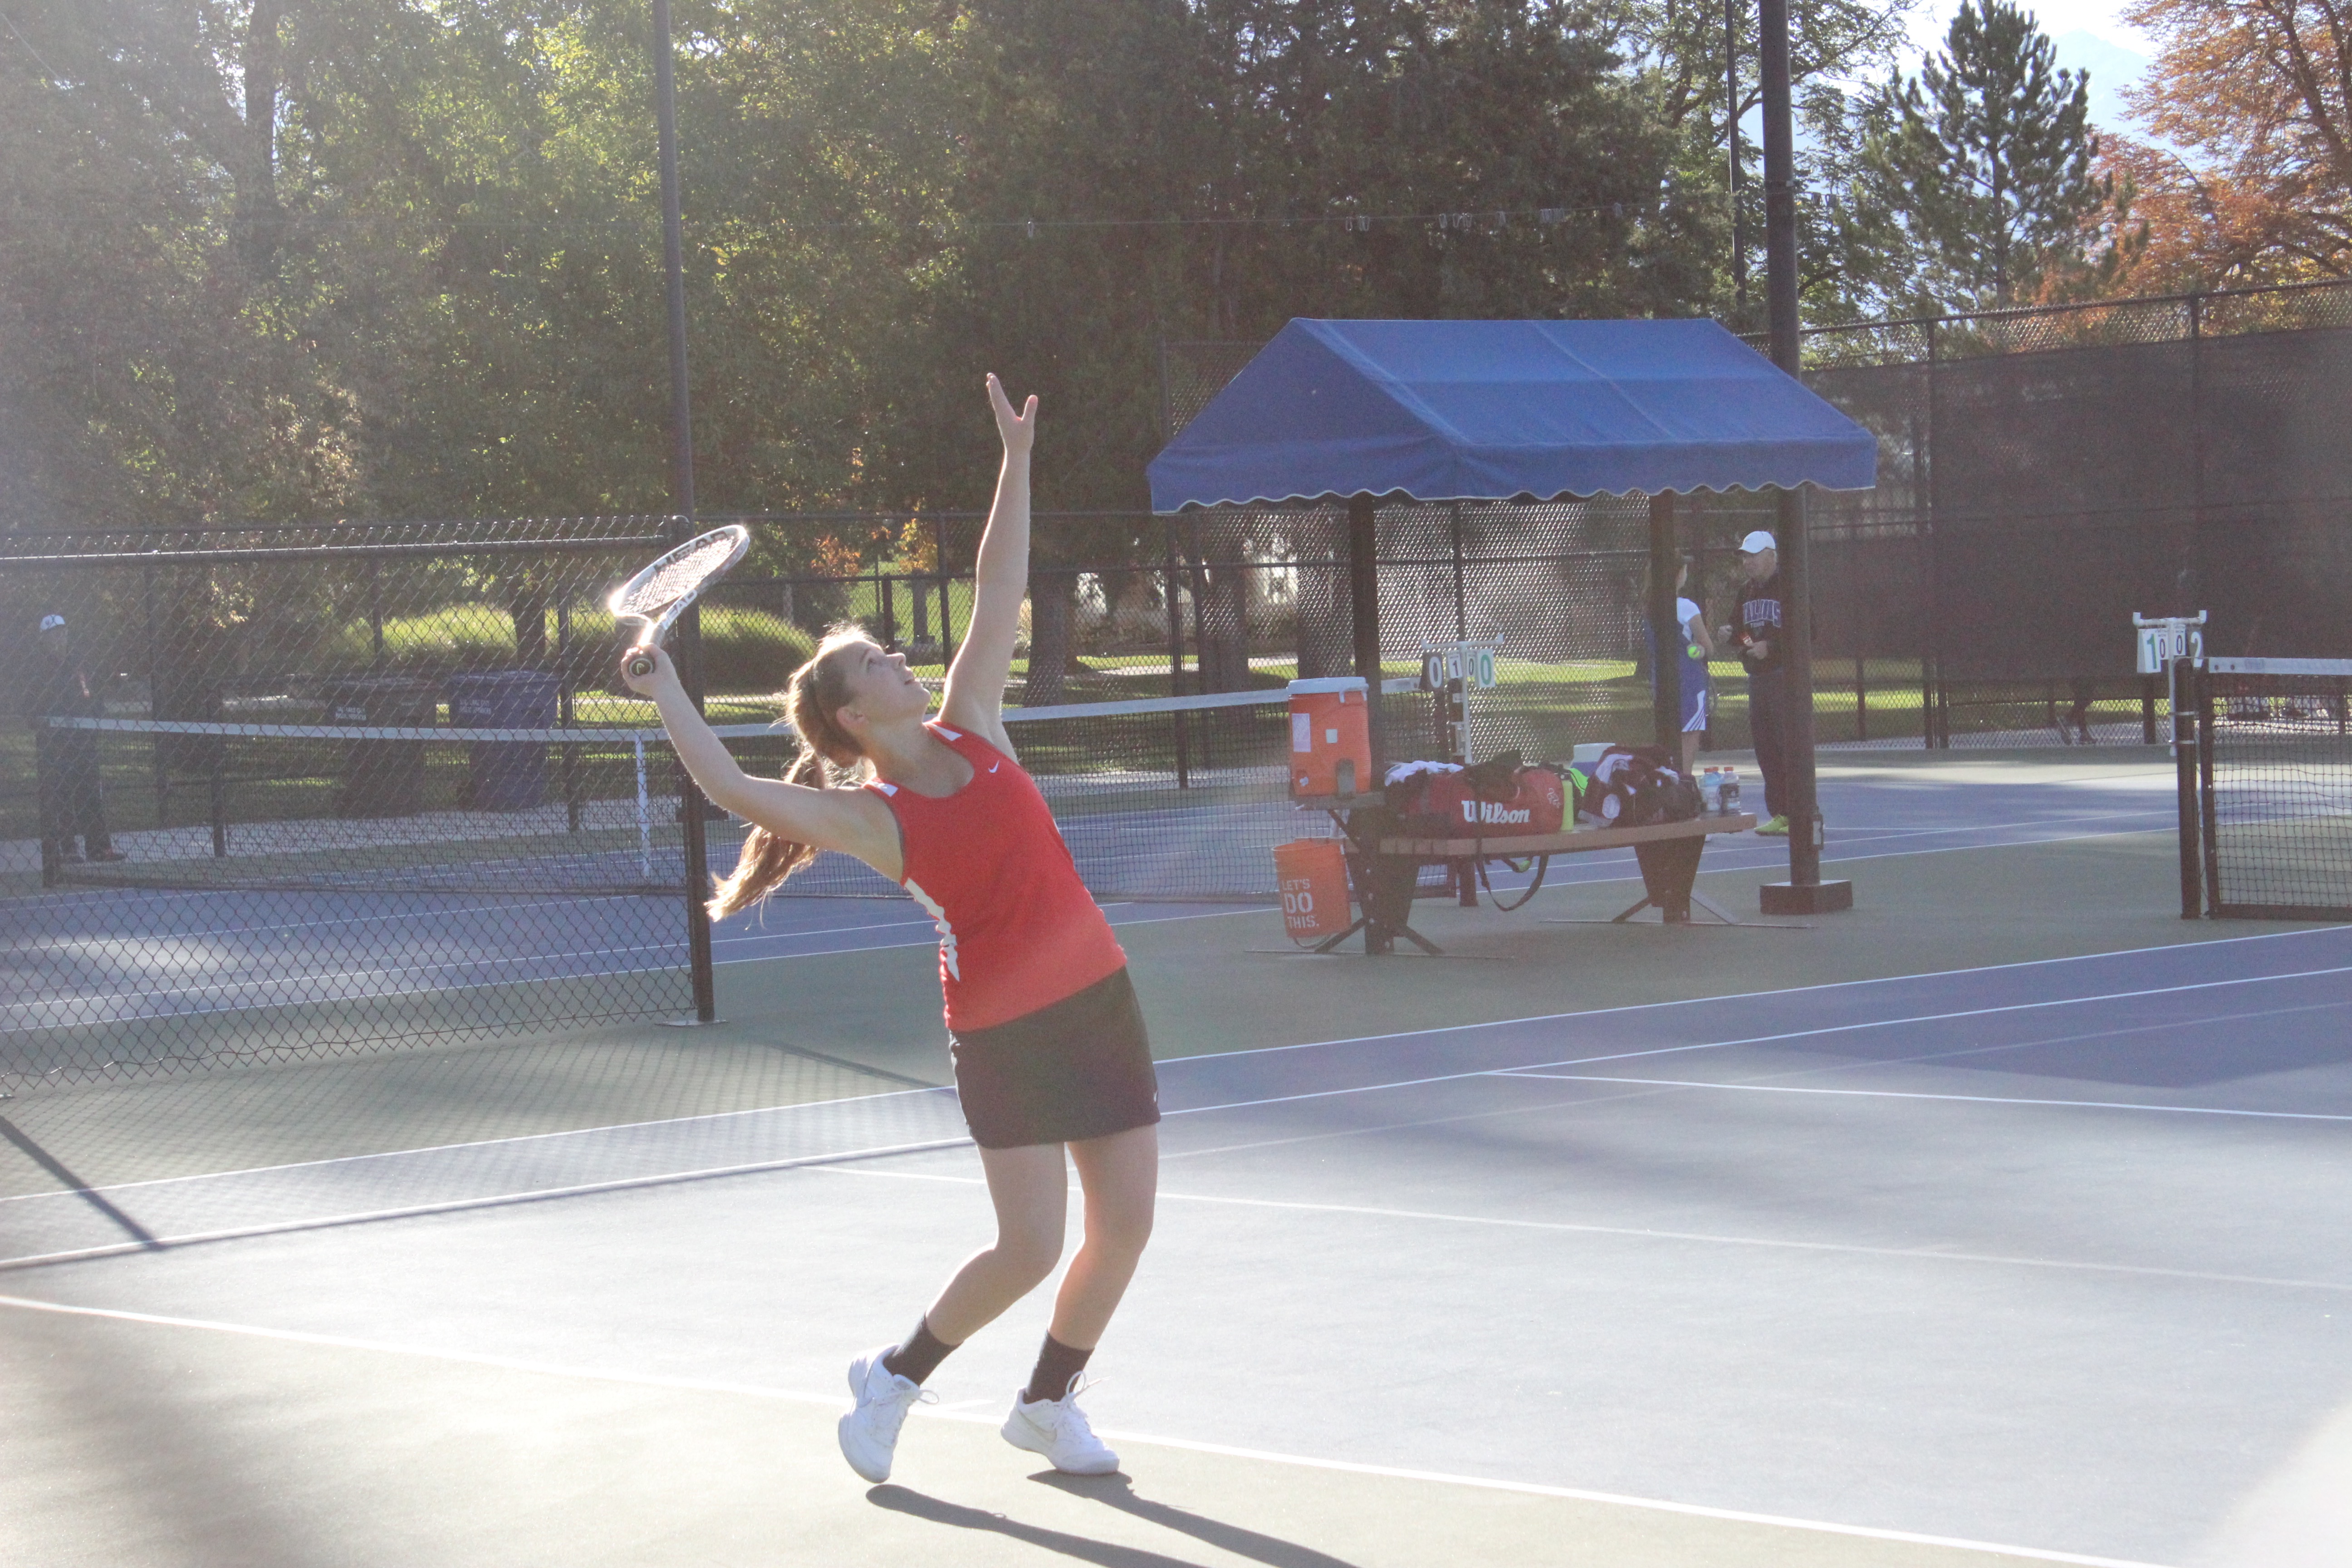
994, 766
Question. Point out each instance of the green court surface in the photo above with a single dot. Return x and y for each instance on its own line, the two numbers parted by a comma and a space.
1996, 1221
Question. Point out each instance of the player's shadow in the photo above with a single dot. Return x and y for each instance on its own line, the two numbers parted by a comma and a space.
1117, 1491
1085, 1549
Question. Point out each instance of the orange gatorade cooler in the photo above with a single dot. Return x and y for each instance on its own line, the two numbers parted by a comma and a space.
1313, 876
1330, 738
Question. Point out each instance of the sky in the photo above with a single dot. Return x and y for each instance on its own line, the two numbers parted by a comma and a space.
2103, 19
2090, 34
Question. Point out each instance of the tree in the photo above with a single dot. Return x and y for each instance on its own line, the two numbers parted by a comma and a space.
145, 368
2254, 96
1699, 61
1986, 156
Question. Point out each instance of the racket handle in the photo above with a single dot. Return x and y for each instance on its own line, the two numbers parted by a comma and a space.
641, 665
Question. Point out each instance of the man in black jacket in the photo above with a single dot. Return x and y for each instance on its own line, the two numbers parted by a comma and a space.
1757, 636
67, 760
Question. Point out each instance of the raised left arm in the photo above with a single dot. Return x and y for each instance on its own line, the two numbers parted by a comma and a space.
974, 699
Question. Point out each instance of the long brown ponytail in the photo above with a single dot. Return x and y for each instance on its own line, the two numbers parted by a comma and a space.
829, 754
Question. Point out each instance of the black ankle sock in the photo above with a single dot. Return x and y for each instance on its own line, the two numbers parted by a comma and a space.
1057, 1366
919, 1356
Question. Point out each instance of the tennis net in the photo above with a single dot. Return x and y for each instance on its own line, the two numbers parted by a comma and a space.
1163, 797
280, 889
2273, 781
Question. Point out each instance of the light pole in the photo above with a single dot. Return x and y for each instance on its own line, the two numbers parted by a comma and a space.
1804, 892
686, 637
1732, 9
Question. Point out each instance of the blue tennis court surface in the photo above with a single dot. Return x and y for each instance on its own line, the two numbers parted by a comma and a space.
2049, 1256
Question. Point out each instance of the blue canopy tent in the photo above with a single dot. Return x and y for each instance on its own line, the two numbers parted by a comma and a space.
1497, 410
1502, 411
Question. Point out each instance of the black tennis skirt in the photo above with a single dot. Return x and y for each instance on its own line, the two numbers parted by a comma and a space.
1076, 1069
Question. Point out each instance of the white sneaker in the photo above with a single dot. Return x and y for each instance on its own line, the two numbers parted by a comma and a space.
1057, 1428
869, 1434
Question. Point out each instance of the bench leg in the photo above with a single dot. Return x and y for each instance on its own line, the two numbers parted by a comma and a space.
1384, 885
1669, 867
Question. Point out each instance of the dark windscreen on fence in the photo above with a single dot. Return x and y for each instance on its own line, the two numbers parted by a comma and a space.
2043, 475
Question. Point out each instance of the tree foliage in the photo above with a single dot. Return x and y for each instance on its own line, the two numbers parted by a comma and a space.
1982, 162
2248, 179
401, 257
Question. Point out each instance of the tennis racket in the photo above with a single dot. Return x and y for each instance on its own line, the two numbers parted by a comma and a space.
665, 590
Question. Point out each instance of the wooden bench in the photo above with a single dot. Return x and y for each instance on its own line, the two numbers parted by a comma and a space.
1386, 870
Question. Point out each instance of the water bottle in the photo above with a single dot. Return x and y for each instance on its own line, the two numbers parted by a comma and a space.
1710, 791
1728, 799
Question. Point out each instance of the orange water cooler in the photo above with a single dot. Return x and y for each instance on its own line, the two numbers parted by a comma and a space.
1330, 739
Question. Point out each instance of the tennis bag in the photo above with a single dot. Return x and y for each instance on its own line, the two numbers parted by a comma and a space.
1636, 786
1498, 798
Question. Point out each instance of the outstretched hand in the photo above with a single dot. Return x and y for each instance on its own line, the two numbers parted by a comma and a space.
1018, 430
650, 683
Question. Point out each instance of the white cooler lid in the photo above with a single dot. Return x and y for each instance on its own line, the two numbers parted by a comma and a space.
1328, 683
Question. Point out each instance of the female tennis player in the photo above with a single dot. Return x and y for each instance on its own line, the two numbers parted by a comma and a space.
1048, 1042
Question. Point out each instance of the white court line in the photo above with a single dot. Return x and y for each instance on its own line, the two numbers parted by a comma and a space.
1649, 1232
1267, 1050
390, 918
1722, 1045
1900, 1094
1780, 990
1614, 1098
1876, 835
461, 1206
754, 1391
1745, 843
337, 974
473, 1143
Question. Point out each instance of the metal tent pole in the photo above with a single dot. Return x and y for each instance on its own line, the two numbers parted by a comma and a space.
1804, 892
1364, 604
1665, 632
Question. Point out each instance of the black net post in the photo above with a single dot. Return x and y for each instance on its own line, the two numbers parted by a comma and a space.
686, 649
1933, 731
2185, 752
2201, 705
1665, 632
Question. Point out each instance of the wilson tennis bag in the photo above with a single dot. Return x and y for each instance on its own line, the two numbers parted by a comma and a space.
1498, 798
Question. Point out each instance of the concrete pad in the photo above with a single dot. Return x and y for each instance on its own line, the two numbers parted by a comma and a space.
159, 1445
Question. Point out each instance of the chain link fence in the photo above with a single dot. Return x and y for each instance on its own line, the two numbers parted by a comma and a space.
2043, 475
287, 791
399, 747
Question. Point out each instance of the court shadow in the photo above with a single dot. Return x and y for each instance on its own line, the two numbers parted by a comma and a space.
1117, 1491
58, 1170
1085, 1549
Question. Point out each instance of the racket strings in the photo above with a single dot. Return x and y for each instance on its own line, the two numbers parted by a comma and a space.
675, 579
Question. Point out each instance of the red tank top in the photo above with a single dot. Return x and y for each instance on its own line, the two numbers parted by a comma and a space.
1018, 931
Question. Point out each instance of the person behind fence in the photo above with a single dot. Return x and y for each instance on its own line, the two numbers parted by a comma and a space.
1693, 648
1757, 636
66, 760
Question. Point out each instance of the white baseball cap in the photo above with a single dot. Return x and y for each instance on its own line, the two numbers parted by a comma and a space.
1757, 543
50, 623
